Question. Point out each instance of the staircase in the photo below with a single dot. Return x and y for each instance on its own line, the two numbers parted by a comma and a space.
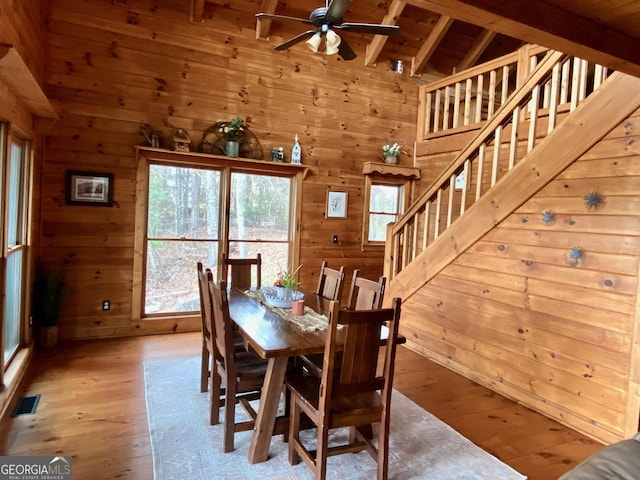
486, 286
513, 155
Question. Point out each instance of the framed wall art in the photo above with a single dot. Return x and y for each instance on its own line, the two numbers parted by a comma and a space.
336, 204
89, 188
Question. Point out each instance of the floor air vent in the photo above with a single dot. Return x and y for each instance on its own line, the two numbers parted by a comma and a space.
27, 405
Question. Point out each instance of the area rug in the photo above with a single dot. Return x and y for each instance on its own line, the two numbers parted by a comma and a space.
185, 446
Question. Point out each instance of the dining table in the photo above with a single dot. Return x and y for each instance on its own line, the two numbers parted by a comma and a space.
276, 338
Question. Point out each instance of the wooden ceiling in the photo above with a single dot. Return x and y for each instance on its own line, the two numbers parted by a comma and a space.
439, 37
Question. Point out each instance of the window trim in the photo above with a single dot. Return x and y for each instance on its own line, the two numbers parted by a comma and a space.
145, 156
405, 197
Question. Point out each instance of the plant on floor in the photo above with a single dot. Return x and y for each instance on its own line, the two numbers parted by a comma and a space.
49, 292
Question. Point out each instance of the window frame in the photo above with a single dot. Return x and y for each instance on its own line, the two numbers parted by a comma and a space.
9, 135
404, 199
226, 165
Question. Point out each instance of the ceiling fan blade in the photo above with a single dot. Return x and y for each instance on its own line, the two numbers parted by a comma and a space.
271, 16
345, 51
372, 28
296, 39
336, 10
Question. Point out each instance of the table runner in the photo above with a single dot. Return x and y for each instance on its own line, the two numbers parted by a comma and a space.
311, 321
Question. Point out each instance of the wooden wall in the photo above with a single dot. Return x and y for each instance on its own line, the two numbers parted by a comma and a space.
514, 314
114, 66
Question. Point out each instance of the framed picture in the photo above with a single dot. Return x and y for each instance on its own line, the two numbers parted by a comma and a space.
89, 188
336, 204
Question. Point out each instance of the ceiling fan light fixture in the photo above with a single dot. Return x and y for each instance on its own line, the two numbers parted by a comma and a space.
314, 42
332, 42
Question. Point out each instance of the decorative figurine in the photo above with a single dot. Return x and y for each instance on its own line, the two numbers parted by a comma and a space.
296, 151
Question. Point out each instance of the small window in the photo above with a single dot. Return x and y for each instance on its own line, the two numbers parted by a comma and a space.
385, 201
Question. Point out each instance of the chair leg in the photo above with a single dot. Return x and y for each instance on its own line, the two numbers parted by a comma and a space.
383, 448
229, 417
322, 440
294, 431
216, 392
204, 369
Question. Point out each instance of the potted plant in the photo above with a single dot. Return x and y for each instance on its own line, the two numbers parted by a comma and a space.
49, 292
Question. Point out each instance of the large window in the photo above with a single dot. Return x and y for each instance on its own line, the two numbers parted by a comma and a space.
14, 187
196, 211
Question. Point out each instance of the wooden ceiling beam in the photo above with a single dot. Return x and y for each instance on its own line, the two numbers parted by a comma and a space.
263, 26
431, 44
547, 25
374, 48
478, 48
197, 10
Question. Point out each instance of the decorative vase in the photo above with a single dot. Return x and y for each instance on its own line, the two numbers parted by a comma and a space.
232, 148
47, 336
392, 159
283, 293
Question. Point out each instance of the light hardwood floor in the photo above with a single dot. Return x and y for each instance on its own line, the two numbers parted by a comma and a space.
93, 408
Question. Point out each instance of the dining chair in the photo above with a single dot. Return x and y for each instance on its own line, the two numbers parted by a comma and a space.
207, 337
241, 372
242, 272
330, 282
355, 395
365, 294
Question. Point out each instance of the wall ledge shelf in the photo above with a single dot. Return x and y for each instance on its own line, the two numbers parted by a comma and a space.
15, 74
378, 168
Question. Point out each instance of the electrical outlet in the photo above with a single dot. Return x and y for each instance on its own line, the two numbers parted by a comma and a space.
335, 239
106, 305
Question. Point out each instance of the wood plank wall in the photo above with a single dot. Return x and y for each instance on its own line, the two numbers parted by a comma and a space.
114, 66
515, 315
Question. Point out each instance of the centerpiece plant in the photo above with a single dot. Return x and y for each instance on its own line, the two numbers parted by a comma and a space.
286, 278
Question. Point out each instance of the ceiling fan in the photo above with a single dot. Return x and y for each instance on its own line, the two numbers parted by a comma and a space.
327, 19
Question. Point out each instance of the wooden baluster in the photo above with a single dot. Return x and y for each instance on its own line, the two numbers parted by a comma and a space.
513, 142
447, 103
533, 119
553, 98
465, 184
425, 227
497, 140
436, 114
456, 106
564, 83
480, 168
436, 226
575, 83
479, 94
492, 94
467, 102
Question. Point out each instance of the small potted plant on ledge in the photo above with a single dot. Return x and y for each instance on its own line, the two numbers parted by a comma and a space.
49, 292
391, 152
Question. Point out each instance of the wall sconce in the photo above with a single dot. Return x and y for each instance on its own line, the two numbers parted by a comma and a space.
396, 66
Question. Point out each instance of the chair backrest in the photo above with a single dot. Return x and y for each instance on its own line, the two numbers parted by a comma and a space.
330, 282
359, 368
365, 294
241, 270
222, 325
205, 303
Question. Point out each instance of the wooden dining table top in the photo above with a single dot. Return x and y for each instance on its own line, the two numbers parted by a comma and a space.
270, 335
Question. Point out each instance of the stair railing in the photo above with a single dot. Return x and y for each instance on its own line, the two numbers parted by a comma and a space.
556, 83
467, 99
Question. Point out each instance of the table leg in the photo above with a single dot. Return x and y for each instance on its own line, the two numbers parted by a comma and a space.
268, 409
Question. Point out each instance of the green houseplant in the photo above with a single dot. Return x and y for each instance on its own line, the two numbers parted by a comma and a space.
49, 292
